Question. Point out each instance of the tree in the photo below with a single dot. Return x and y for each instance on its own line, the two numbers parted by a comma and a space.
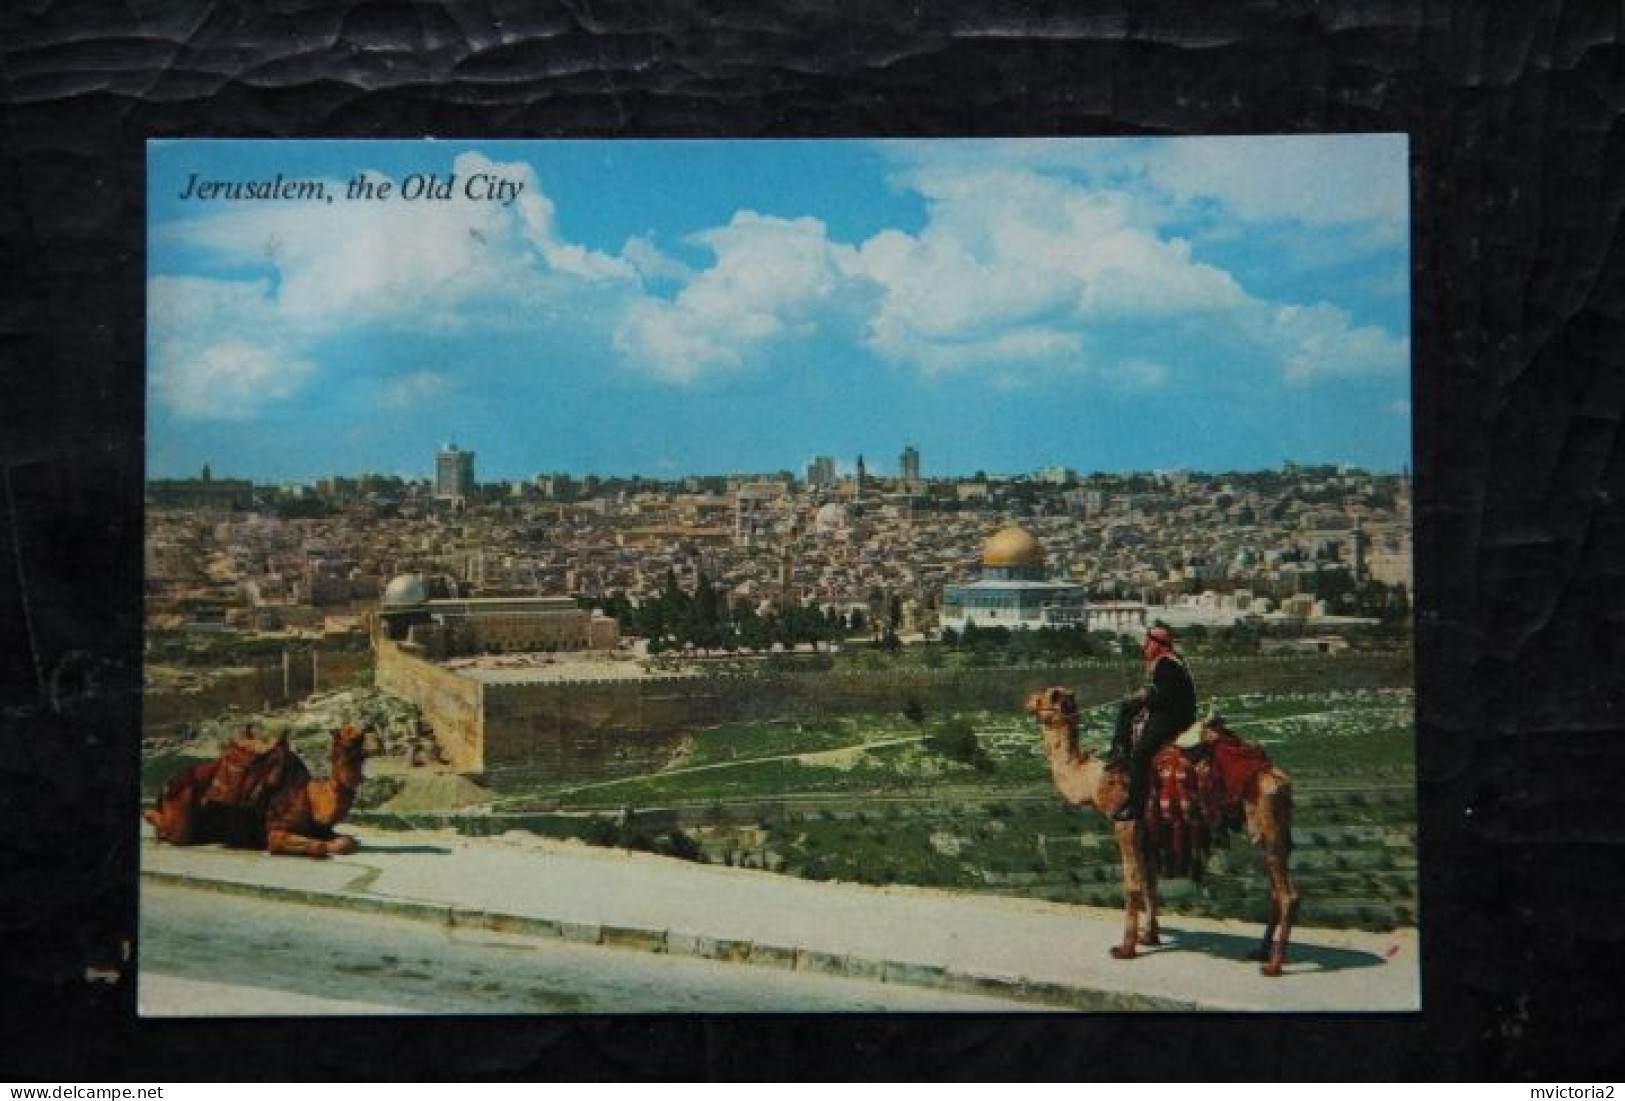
877, 611
956, 740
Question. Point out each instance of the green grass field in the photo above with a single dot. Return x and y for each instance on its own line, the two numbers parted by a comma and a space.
1347, 737
866, 799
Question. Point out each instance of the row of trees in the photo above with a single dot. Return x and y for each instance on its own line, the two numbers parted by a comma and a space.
1046, 642
1000, 645
674, 619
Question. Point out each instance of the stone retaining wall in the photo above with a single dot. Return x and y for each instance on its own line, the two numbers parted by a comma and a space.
589, 730
251, 688
453, 705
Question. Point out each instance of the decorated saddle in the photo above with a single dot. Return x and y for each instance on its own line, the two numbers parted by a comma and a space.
250, 771
1196, 798
233, 792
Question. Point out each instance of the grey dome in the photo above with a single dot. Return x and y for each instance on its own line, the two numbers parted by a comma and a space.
405, 591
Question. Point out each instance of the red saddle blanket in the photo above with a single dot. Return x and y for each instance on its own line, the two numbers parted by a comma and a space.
250, 771
1239, 763
1196, 798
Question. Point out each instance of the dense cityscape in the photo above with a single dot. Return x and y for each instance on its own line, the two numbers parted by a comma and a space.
1322, 546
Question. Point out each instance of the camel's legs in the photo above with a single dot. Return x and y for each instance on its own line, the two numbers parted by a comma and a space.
1152, 934
1283, 908
288, 843
174, 820
1263, 952
174, 817
1135, 872
1275, 806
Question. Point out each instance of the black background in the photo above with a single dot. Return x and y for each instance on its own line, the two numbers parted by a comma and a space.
1518, 182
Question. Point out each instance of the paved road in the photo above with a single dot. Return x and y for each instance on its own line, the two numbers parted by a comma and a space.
577, 897
208, 954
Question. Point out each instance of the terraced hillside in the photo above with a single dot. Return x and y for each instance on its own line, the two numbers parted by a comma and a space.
882, 799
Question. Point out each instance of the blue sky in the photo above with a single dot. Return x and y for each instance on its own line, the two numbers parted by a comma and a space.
673, 308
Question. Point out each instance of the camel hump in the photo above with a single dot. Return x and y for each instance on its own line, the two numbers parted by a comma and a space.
250, 772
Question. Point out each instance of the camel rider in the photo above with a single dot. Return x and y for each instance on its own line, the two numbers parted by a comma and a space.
1168, 702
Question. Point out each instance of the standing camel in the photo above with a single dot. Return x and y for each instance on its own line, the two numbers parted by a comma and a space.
262, 796
1082, 780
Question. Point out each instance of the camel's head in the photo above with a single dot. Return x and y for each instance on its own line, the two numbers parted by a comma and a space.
1053, 705
350, 743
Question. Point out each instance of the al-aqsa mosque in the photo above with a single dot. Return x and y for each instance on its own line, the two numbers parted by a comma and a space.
1015, 590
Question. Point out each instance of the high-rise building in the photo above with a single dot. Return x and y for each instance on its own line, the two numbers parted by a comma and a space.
821, 471
910, 463
863, 475
453, 472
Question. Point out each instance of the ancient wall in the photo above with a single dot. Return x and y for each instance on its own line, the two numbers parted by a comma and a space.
598, 730
207, 694
587, 731
453, 705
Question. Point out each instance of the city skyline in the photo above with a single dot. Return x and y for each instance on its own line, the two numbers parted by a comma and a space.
844, 471
1005, 306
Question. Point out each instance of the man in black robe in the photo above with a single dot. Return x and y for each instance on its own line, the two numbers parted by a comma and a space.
1167, 703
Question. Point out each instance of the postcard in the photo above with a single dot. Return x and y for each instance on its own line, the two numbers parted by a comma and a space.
778, 576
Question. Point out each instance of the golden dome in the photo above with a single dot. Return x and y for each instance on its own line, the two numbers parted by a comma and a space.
1012, 546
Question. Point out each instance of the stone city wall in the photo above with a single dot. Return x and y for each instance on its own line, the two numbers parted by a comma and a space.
248, 689
589, 731
453, 705
603, 729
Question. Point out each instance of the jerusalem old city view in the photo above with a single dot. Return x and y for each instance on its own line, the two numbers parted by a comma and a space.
936, 575
616, 661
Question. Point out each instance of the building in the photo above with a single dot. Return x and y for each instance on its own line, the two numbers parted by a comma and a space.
1014, 591
909, 464
424, 613
206, 492
821, 472
453, 472
755, 511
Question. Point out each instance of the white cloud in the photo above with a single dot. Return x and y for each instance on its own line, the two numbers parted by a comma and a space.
1315, 179
1318, 180
217, 350
1016, 253
229, 379
1021, 271
414, 389
773, 279
1321, 341
1010, 274
417, 264
651, 263
1000, 351
408, 266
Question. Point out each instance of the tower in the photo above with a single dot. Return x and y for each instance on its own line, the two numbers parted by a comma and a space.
453, 472
910, 464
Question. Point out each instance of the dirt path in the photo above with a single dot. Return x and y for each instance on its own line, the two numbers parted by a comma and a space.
805, 755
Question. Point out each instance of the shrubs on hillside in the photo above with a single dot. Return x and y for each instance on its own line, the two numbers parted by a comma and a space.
956, 740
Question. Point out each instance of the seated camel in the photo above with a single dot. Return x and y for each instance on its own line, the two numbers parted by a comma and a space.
260, 795
1263, 792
